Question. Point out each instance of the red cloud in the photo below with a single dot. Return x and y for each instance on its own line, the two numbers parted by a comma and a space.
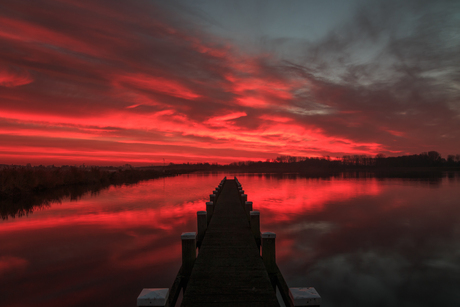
27, 32
158, 84
11, 78
137, 81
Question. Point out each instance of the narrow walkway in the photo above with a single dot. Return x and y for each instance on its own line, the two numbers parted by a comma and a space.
228, 270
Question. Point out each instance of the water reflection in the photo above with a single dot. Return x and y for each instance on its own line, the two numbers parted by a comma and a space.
360, 242
366, 242
100, 250
23, 205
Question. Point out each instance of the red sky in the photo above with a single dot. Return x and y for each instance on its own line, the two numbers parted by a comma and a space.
113, 82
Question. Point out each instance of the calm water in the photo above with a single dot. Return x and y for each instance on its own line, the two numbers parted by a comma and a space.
359, 242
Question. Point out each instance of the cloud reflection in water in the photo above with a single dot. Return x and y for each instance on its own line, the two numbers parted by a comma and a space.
360, 242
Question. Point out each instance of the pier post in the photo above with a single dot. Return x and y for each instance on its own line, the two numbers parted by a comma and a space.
254, 218
244, 198
212, 197
305, 297
268, 251
153, 297
248, 207
188, 252
209, 211
202, 224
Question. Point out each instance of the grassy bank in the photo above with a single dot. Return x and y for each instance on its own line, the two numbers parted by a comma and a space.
25, 189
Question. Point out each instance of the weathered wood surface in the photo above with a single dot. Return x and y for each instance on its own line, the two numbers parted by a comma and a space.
229, 270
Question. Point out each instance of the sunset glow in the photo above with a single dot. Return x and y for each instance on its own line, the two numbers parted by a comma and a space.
106, 83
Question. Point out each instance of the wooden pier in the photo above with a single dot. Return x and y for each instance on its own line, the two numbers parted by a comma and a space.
229, 270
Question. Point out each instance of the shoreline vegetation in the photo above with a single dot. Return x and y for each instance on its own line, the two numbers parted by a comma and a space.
423, 165
24, 189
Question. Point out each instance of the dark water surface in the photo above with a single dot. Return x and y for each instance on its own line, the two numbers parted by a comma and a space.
359, 242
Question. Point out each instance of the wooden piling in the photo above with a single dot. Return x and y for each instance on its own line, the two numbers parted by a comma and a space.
188, 252
248, 207
153, 297
303, 297
209, 211
202, 224
254, 218
268, 251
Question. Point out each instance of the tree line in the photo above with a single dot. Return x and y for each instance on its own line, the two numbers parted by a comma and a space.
425, 159
26, 179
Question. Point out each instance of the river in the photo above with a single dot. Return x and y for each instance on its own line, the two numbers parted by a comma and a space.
358, 241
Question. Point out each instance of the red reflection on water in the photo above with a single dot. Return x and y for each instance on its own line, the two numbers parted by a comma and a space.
157, 218
124, 239
284, 203
102, 250
377, 236
281, 200
12, 265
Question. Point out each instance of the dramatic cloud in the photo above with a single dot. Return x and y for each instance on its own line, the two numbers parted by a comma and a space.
11, 78
103, 82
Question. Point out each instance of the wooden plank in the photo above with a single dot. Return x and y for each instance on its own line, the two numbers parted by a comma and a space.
229, 270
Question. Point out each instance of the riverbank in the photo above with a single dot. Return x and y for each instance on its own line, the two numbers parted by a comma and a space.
25, 189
